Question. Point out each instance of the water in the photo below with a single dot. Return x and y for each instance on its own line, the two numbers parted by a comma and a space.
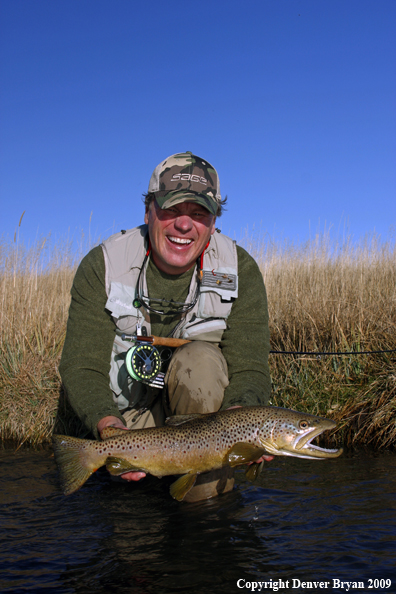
304, 520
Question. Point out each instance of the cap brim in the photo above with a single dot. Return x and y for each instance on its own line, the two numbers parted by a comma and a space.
168, 199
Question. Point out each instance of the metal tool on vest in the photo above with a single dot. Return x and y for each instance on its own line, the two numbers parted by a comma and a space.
143, 360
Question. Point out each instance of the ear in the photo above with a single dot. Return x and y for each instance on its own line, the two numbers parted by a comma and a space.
147, 213
151, 205
213, 228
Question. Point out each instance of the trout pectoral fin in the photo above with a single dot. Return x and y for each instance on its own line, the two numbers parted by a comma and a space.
180, 419
117, 466
181, 487
242, 453
253, 471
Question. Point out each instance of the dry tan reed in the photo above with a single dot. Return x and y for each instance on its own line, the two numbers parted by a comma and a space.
34, 299
323, 296
330, 297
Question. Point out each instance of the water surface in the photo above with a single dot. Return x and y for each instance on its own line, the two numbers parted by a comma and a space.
303, 520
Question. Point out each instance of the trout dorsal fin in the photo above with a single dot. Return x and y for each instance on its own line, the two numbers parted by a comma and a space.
108, 432
180, 419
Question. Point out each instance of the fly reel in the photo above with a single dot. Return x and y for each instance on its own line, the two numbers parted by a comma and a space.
143, 362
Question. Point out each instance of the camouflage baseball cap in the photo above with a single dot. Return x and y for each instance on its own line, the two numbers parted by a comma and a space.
184, 177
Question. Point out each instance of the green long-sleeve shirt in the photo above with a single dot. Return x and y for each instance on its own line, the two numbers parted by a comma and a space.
85, 362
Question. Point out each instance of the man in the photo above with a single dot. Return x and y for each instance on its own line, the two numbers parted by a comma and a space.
176, 276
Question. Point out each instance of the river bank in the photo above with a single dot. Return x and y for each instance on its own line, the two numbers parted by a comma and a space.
323, 297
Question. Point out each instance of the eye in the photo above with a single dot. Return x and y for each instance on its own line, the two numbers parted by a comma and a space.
304, 424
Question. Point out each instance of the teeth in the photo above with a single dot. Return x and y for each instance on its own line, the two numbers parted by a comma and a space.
179, 240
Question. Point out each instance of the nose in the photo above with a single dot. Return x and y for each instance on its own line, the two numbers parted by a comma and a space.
183, 223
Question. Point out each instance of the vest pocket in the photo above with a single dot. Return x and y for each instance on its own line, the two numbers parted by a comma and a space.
208, 330
120, 301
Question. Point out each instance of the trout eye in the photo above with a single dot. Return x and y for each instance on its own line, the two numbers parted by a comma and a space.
304, 424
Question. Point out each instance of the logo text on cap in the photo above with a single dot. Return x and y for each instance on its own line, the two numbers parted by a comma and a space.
189, 177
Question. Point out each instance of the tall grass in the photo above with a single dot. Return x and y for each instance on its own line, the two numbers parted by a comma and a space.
327, 296
323, 296
34, 299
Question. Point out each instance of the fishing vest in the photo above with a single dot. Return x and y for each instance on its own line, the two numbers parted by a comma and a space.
124, 255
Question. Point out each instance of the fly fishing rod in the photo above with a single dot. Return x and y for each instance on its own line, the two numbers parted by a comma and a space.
144, 361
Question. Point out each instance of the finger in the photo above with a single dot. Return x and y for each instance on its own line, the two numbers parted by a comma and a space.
264, 457
133, 476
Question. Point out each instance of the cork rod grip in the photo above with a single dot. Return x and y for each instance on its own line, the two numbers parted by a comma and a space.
160, 341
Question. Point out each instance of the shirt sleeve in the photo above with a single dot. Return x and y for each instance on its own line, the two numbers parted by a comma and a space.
245, 343
85, 362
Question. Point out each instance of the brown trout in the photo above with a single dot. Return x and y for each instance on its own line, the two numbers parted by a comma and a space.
192, 444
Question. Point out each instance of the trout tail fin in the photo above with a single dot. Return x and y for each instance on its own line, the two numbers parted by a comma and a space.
73, 467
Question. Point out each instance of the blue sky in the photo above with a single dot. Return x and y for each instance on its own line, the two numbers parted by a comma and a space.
293, 102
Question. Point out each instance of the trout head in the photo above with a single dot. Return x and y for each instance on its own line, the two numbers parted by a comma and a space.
290, 433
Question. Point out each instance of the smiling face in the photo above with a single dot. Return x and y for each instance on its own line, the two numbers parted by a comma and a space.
178, 234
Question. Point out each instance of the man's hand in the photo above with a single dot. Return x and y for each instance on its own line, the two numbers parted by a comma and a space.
110, 422
118, 424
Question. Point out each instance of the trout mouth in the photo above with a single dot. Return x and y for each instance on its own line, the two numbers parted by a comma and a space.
303, 447
295, 438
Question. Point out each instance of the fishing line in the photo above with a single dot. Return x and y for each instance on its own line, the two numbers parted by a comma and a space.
339, 354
